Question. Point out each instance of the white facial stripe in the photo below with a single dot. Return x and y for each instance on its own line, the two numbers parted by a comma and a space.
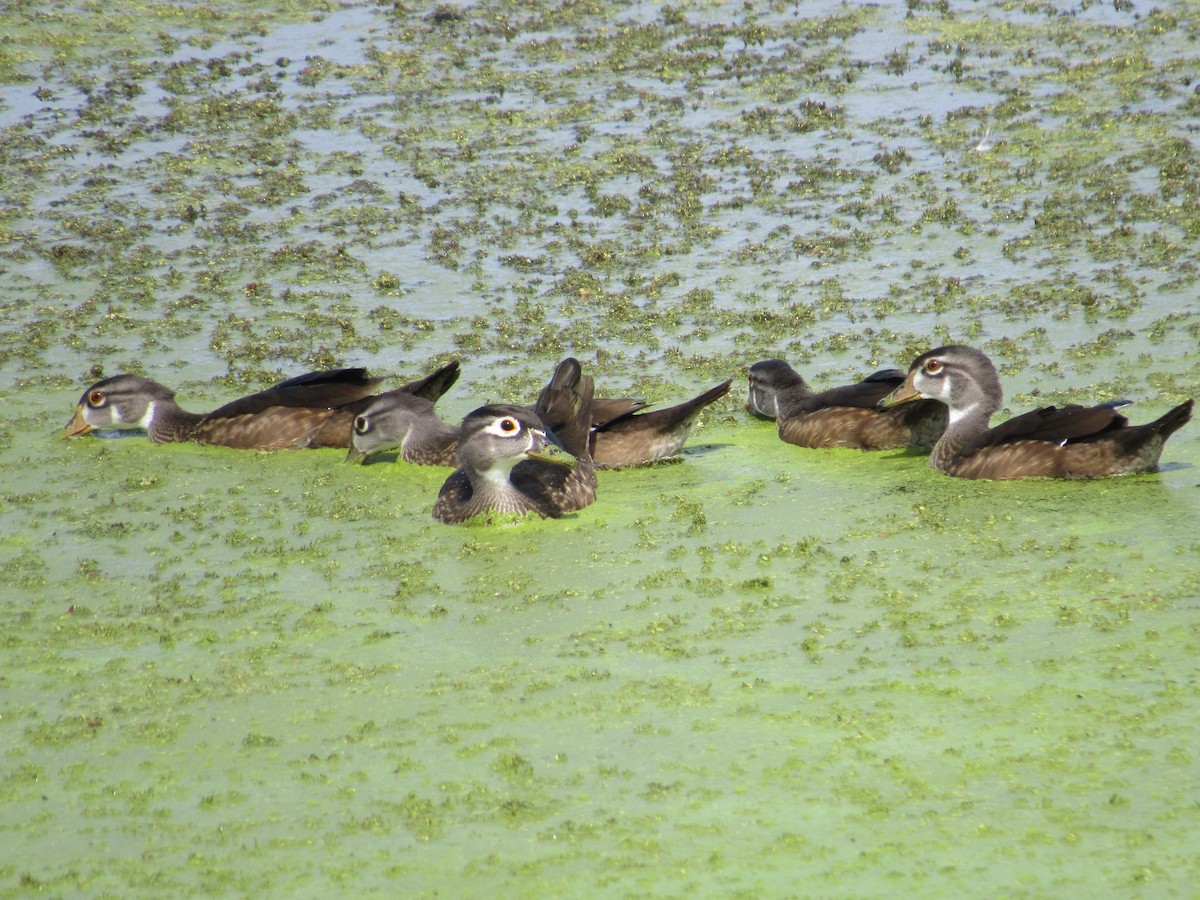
407, 433
145, 420
931, 387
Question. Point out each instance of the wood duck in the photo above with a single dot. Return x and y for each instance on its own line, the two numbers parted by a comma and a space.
312, 410
1071, 442
407, 423
846, 416
622, 435
502, 469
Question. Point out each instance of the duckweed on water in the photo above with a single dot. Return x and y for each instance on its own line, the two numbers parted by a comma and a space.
896, 678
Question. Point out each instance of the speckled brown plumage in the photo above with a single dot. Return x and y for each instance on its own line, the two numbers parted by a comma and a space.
846, 416
498, 471
1053, 442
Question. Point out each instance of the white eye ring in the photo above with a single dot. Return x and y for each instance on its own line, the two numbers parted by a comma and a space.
933, 366
362, 425
505, 427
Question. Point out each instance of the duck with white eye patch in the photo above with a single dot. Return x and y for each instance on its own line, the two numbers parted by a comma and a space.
313, 410
623, 432
1052, 442
504, 465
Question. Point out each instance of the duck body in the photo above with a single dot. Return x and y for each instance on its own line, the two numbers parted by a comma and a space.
846, 416
313, 410
623, 434
1051, 442
501, 467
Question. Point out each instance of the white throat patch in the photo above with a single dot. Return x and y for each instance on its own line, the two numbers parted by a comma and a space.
498, 473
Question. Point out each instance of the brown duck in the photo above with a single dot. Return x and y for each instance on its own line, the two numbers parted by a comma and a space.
621, 434
1067, 442
500, 450
309, 411
846, 416
624, 433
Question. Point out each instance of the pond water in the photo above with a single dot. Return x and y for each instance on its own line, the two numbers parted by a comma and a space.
755, 671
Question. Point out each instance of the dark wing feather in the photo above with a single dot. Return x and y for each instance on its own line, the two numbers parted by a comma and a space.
864, 395
543, 483
328, 389
564, 406
888, 376
660, 419
1068, 424
435, 384
609, 410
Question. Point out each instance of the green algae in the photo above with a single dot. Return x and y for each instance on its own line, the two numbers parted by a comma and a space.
759, 668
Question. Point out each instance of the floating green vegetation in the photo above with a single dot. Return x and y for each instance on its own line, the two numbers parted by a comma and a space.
225, 659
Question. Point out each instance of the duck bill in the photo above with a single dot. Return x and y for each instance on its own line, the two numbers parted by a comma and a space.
77, 425
552, 454
357, 457
906, 393
548, 448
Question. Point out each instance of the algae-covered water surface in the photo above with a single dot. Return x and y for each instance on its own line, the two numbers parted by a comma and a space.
755, 671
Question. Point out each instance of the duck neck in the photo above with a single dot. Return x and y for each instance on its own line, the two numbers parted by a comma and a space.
492, 488
438, 443
792, 394
165, 422
963, 429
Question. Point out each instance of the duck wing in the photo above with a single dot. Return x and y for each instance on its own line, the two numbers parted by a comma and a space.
609, 410
313, 390
866, 394
435, 384
1057, 425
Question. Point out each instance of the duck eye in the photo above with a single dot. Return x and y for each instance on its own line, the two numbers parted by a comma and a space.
933, 366
509, 425
96, 398
362, 425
